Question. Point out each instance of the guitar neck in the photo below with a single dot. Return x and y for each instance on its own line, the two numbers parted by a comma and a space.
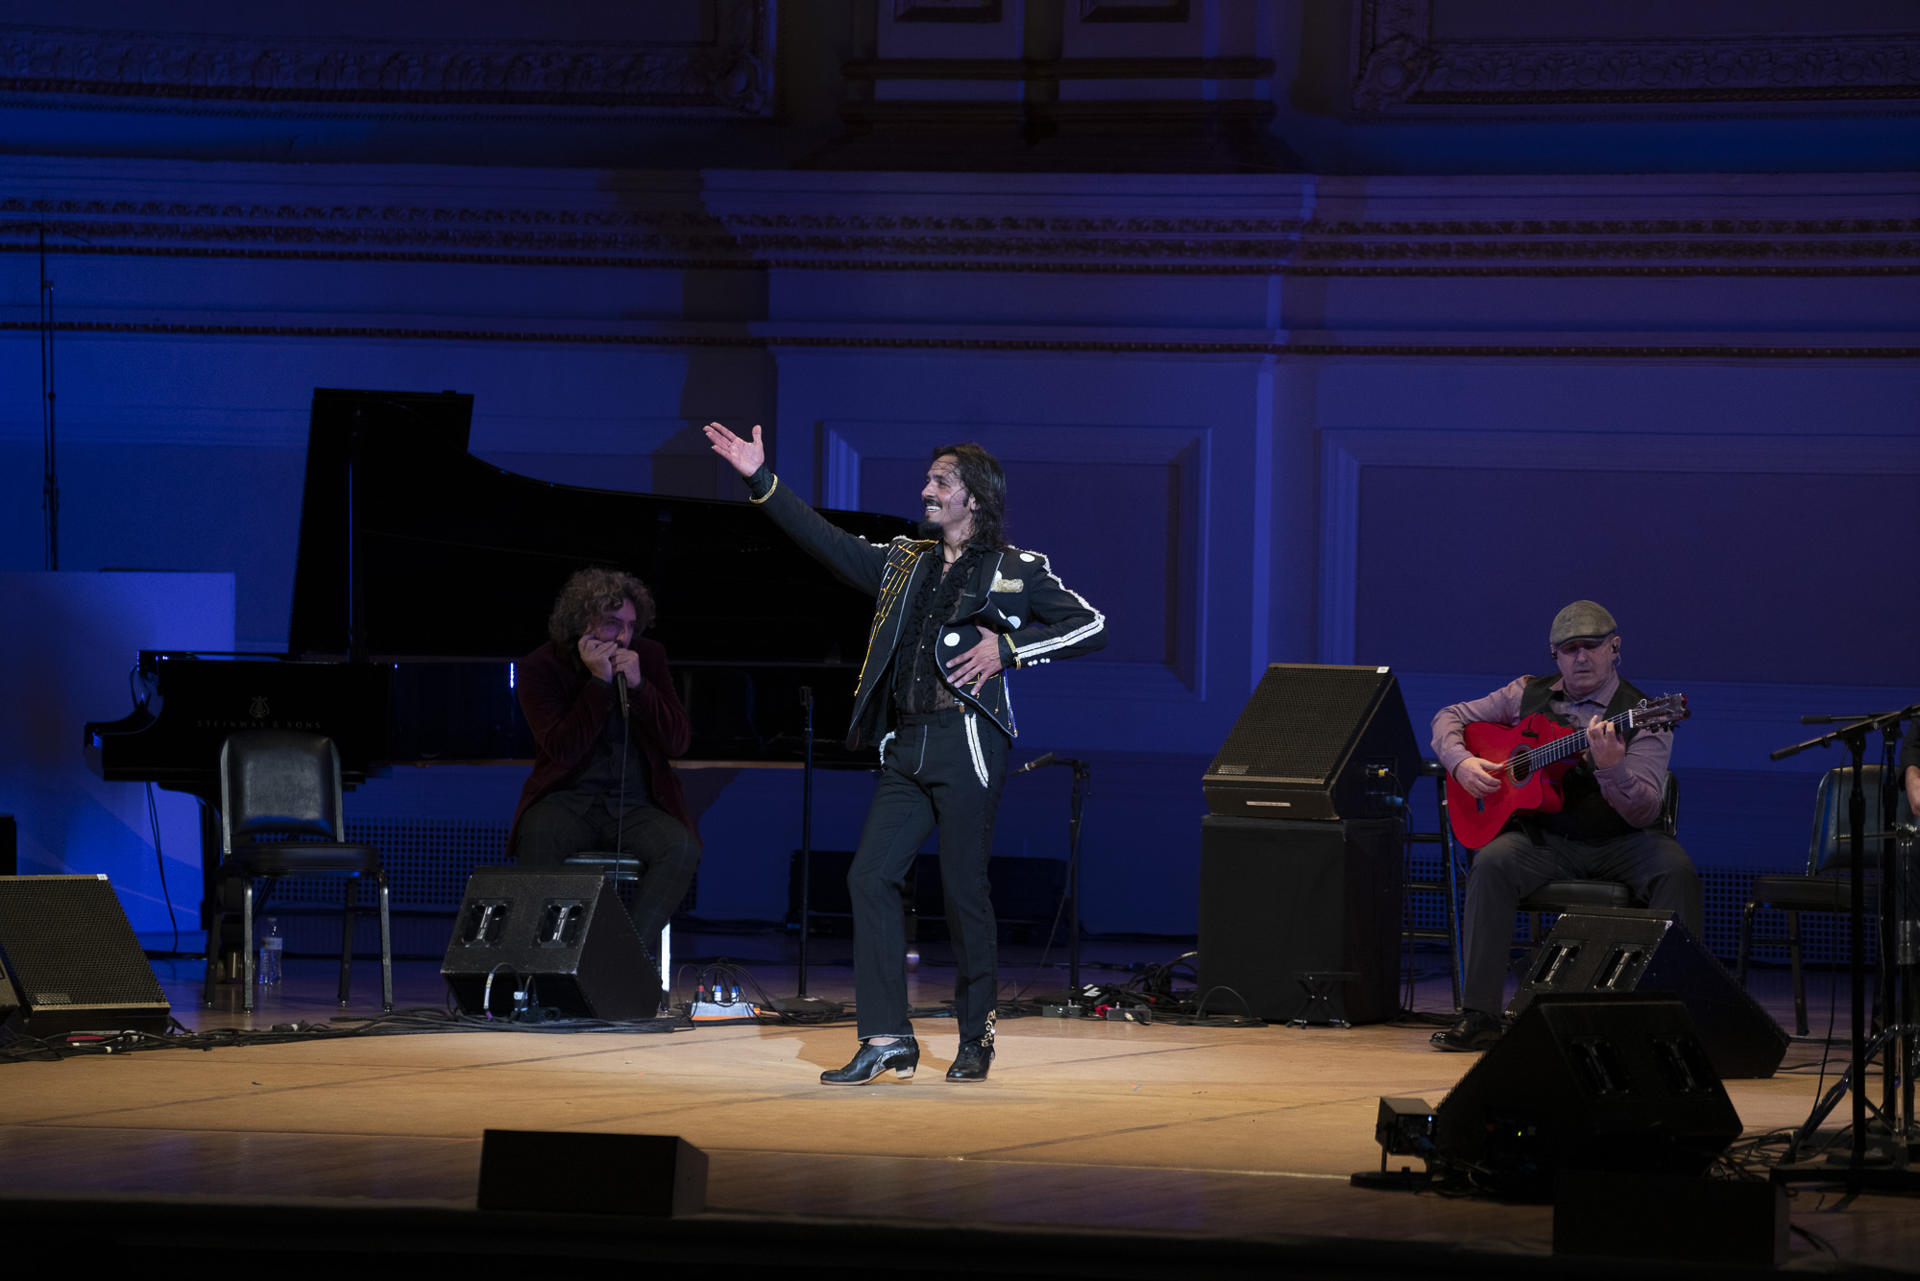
1575, 743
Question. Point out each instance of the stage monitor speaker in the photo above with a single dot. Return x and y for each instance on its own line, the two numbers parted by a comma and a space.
1280, 899
1621, 950
562, 937
1610, 1083
69, 960
1316, 742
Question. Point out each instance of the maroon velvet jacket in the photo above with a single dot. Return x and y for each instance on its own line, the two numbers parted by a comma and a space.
566, 707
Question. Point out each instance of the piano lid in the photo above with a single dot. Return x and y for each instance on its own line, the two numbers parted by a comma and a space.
410, 547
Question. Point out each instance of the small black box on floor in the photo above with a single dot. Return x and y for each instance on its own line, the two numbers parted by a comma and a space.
561, 935
1316, 741
1732, 1223
1279, 899
1591, 1082
9, 846
1623, 950
562, 1172
69, 960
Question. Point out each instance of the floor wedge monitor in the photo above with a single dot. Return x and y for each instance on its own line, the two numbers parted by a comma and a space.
1620, 950
539, 942
69, 960
1316, 742
1604, 1083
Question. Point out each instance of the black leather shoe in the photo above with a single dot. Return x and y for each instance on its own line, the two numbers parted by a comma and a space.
1474, 1030
972, 1062
900, 1057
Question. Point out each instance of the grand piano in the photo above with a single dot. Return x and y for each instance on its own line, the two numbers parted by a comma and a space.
422, 573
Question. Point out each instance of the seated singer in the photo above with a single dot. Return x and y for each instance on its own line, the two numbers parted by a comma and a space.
1606, 830
605, 724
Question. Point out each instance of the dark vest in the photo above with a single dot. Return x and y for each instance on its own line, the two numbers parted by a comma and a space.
1586, 816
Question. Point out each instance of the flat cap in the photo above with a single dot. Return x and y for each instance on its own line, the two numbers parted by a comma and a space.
1582, 620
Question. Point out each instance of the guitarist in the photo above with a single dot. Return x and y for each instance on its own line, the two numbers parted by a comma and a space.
1605, 831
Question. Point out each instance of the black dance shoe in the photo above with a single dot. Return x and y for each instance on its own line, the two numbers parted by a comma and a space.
900, 1057
973, 1060
1474, 1030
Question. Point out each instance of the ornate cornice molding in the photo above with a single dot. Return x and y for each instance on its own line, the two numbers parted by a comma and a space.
731, 75
693, 238
1400, 62
1144, 347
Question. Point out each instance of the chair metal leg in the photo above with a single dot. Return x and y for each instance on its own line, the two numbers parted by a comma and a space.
346, 937
386, 947
1746, 944
246, 945
213, 955
1799, 975
1449, 865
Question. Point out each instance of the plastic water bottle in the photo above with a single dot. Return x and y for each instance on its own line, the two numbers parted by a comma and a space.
271, 948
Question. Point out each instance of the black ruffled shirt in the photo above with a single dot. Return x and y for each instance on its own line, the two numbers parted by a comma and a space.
917, 683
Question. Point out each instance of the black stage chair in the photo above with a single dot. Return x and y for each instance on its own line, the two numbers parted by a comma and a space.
1826, 885
283, 784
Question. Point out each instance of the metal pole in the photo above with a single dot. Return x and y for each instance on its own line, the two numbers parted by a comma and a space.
806, 832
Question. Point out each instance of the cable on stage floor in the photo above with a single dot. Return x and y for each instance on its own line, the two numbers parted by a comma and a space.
17, 1047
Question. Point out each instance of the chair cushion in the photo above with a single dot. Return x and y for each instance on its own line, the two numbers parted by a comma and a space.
1565, 896
304, 858
1804, 893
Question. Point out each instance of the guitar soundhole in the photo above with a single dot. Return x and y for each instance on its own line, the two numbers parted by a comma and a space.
1520, 766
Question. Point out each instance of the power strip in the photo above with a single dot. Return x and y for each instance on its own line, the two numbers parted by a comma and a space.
714, 1011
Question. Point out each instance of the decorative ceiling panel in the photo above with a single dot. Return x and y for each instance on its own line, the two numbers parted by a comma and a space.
721, 67
1407, 58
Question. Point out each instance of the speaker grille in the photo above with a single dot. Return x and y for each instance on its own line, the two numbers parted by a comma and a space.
68, 949
427, 862
69, 943
1296, 725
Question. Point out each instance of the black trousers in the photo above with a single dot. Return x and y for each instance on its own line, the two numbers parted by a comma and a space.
944, 769
1513, 865
664, 851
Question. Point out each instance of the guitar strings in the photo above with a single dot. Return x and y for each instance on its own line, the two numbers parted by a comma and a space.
1572, 744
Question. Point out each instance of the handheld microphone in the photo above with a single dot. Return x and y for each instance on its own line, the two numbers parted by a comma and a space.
620, 692
1039, 762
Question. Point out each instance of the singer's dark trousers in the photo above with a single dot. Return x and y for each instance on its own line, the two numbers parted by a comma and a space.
943, 769
664, 851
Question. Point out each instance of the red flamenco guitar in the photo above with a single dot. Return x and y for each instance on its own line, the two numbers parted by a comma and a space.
1534, 755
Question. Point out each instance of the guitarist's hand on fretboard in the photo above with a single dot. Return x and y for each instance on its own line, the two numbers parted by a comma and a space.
1479, 776
1604, 744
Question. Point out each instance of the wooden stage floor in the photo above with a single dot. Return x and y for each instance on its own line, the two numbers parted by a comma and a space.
1233, 1145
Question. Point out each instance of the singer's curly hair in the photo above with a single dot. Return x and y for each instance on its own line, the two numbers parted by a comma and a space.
592, 594
986, 481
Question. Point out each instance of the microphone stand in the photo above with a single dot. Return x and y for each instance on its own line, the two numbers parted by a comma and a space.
1891, 1171
800, 1002
806, 832
1082, 784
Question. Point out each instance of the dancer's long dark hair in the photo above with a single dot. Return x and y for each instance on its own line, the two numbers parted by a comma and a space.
986, 482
